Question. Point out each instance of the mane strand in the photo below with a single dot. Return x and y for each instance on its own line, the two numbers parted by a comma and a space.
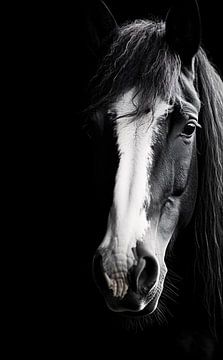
209, 210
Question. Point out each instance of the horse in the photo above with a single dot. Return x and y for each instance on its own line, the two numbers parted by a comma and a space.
157, 109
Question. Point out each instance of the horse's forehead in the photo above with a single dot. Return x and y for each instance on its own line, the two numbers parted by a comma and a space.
127, 104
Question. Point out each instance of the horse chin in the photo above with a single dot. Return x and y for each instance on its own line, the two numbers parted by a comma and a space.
133, 304
148, 310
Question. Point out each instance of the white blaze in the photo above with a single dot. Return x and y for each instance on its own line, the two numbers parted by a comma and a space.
134, 138
127, 222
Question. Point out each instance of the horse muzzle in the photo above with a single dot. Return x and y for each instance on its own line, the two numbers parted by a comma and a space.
130, 289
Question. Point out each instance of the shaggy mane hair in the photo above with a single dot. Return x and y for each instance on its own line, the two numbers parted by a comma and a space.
139, 58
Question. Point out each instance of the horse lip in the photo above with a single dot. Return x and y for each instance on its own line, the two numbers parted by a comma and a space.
132, 304
146, 311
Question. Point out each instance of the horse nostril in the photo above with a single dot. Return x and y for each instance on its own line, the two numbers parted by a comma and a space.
145, 273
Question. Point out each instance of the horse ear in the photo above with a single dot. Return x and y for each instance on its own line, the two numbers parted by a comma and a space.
101, 25
183, 29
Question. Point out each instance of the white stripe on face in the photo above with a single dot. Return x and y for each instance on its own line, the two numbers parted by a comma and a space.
135, 138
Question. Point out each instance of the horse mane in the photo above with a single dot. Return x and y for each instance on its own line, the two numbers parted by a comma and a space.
140, 58
209, 208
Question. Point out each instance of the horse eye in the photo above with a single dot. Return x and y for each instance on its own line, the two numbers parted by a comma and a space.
189, 129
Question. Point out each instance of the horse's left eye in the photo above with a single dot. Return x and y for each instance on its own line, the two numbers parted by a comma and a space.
189, 129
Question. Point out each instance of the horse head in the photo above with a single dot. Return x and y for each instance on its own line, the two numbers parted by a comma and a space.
146, 92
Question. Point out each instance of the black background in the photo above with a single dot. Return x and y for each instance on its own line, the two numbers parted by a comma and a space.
70, 315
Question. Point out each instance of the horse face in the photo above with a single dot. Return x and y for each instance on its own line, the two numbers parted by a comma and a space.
154, 196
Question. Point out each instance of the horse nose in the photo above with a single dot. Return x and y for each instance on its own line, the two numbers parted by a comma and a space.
141, 276
145, 273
